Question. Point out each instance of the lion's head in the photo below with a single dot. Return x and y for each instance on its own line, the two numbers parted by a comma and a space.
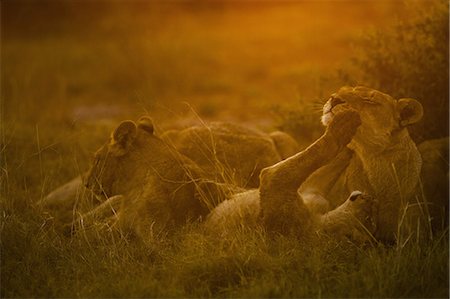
123, 159
381, 115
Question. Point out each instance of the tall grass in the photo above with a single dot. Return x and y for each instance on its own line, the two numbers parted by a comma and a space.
52, 75
37, 262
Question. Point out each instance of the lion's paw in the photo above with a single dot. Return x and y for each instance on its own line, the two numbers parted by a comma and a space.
343, 126
365, 208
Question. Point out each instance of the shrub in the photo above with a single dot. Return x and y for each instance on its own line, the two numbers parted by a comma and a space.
411, 60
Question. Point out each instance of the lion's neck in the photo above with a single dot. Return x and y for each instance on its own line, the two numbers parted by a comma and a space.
397, 161
392, 173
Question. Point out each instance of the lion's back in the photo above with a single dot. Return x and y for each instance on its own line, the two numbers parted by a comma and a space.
228, 152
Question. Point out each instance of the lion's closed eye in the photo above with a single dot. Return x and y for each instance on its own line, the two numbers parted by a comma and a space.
371, 102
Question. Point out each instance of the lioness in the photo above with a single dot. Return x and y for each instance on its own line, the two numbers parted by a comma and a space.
225, 152
151, 186
232, 153
278, 207
380, 160
151, 194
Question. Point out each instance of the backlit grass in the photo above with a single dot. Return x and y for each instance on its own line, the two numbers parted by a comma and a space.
71, 70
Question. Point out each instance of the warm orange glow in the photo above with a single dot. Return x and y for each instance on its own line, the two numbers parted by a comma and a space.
232, 55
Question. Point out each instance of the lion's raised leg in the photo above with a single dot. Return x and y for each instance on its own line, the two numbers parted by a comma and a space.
282, 208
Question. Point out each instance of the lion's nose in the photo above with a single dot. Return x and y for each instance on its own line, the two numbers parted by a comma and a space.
334, 101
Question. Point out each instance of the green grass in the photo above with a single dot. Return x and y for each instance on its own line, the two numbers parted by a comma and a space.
38, 262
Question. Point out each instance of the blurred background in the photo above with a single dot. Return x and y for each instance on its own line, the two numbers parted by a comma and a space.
72, 69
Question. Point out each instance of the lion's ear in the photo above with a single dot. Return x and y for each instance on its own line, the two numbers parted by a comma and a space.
123, 136
410, 111
146, 123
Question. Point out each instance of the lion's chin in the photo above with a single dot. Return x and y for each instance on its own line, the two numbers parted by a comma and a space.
326, 118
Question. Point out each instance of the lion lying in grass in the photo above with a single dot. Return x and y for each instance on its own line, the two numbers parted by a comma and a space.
279, 208
380, 160
150, 194
151, 187
341, 176
232, 153
226, 153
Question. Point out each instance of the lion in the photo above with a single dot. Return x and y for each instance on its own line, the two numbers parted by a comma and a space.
353, 181
278, 207
150, 186
226, 153
230, 152
149, 195
380, 161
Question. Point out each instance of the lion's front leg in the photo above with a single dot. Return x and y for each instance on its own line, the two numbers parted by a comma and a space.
282, 208
107, 210
315, 189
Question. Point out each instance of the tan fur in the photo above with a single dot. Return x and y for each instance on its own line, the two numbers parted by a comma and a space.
225, 153
64, 202
279, 208
231, 152
150, 194
366, 147
285, 144
159, 188
380, 160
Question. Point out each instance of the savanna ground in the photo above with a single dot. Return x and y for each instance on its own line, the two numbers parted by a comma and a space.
71, 70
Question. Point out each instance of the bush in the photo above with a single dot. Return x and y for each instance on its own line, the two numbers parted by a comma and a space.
411, 60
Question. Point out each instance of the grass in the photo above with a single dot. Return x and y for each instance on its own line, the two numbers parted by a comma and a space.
37, 262
70, 72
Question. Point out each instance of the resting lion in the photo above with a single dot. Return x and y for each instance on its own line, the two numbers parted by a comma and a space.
150, 194
341, 176
232, 153
381, 160
278, 207
225, 152
151, 187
